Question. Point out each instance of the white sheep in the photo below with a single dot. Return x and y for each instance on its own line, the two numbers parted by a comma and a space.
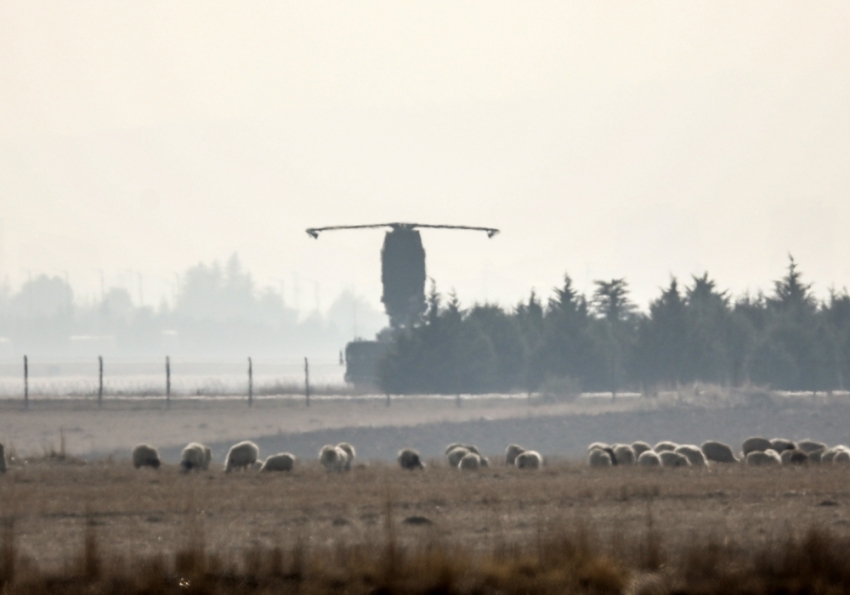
350, 454
599, 445
282, 461
599, 458
673, 459
470, 462
2, 459
530, 459
781, 444
333, 458
755, 443
623, 454
512, 452
693, 453
195, 456
842, 456
759, 458
640, 447
794, 456
808, 446
815, 455
409, 459
145, 455
472, 448
241, 456
665, 445
718, 452
457, 454
451, 447
837, 454
649, 458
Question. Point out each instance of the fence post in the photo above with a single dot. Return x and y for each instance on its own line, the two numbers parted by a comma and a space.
26, 384
100, 381
250, 382
307, 381
167, 381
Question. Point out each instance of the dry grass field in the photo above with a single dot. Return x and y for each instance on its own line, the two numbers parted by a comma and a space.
105, 527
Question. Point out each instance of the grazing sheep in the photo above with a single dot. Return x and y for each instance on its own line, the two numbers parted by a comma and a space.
755, 443
350, 454
451, 447
624, 455
333, 458
842, 456
145, 455
282, 461
794, 457
530, 459
693, 453
599, 445
649, 458
758, 458
673, 459
456, 455
241, 456
809, 446
827, 455
470, 462
815, 455
665, 445
781, 444
640, 447
599, 458
717, 452
512, 452
2, 459
409, 459
195, 456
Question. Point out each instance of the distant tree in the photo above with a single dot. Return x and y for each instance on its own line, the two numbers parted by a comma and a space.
508, 343
662, 339
836, 314
707, 351
616, 327
448, 353
44, 297
565, 348
792, 352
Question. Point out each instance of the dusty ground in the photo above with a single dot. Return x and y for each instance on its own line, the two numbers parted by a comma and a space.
378, 431
119, 424
147, 511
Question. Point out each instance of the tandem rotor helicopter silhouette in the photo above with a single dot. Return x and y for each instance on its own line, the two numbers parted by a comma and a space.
403, 277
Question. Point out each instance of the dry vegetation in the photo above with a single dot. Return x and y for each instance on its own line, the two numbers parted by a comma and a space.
104, 527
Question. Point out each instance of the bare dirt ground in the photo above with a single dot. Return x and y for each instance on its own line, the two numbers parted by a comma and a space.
120, 424
428, 424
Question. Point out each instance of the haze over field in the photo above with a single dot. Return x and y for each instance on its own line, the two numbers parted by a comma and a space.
621, 140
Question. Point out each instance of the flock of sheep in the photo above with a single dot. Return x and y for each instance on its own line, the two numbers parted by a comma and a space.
755, 451
246, 455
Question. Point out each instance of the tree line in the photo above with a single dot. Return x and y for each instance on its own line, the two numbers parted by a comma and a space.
787, 339
217, 310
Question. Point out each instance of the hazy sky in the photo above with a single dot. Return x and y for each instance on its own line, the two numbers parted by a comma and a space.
633, 139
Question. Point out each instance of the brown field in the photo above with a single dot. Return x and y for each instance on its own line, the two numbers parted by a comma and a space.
77, 521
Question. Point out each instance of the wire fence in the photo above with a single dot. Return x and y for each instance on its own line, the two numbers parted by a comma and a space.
146, 377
